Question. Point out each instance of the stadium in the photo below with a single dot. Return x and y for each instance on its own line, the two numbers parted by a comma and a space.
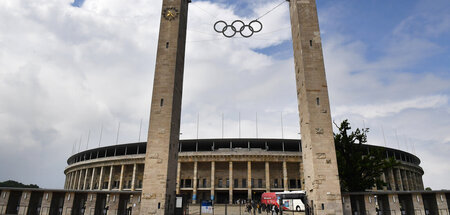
241, 168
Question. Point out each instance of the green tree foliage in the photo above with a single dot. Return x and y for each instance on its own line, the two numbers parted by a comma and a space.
11, 183
359, 168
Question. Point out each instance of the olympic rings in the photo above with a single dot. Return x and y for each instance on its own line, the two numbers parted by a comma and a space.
238, 26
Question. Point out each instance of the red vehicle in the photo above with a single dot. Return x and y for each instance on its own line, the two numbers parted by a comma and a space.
291, 200
269, 199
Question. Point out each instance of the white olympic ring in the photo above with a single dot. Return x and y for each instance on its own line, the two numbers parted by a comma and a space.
238, 26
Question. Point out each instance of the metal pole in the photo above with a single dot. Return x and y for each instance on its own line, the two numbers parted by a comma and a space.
101, 133
140, 129
87, 142
117, 138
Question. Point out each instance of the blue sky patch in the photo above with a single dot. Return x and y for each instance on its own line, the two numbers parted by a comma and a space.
77, 3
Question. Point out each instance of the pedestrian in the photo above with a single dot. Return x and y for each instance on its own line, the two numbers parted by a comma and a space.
259, 207
277, 210
249, 207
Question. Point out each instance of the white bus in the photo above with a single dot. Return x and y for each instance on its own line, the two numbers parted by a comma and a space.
292, 200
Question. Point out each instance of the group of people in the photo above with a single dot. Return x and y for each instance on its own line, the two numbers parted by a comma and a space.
254, 207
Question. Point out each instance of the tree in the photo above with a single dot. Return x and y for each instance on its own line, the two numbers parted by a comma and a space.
359, 168
11, 183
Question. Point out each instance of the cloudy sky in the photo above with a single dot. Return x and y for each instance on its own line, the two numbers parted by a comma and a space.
69, 70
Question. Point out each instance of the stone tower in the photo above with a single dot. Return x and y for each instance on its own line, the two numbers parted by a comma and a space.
158, 192
319, 155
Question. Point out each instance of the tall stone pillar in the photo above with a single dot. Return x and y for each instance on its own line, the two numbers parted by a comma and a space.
285, 178
267, 176
100, 179
159, 187
319, 155
122, 169
213, 179
194, 192
230, 182
110, 177
133, 178
249, 180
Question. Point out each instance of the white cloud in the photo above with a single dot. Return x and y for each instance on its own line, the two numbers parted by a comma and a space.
383, 110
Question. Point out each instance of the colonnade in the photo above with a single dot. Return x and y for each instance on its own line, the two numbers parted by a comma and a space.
402, 179
250, 185
113, 177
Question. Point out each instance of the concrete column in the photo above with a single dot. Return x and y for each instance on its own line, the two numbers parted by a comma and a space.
421, 182
86, 171
399, 180
404, 179
347, 205
394, 204
110, 177
133, 178
4, 198
79, 179
410, 180
418, 203
285, 178
92, 179
68, 203
66, 180
46, 202
230, 178
383, 178
391, 178
122, 169
213, 179
100, 179
194, 191
72, 183
301, 176
73, 180
267, 176
249, 180
24, 202
177, 190
369, 202
68, 177
90, 204
442, 203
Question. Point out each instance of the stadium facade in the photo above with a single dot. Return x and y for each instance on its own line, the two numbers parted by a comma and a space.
241, 168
